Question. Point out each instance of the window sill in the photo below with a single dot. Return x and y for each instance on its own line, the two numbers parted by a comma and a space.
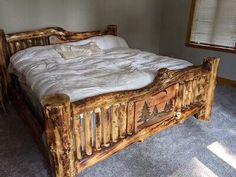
211, 47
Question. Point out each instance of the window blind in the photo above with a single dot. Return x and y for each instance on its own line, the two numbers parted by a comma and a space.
214, 22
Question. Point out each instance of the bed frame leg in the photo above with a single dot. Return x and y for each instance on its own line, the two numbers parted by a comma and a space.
59, 134
211, 64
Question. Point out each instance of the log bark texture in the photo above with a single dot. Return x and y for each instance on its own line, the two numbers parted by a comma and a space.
59, 134
210, 64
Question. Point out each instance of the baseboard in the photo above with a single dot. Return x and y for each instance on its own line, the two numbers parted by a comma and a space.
224, 81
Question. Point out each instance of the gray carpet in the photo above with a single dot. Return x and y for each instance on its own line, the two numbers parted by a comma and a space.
192, 149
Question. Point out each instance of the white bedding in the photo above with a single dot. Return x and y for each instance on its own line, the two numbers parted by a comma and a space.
117, 69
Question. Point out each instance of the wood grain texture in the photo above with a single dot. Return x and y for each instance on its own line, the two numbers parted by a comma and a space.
106, 128
130, 122
155, 108
98, 129
114, 123
77, 133
140, 136
59, 134
123, 120
179, 97
193, 91
212, 65
88, 134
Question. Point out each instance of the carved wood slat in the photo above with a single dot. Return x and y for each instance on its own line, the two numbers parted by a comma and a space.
181, 95
106, 127
191, 92
29, 43
98, 120
130, 122
194, 86
12, 47
18, 46
39, 41
77, 130
41, 37
188, 93
88, 133
178, 98
185, 96
198, 90
203, 84
123, 119
35, 41
44, 41
24, 44
114, 123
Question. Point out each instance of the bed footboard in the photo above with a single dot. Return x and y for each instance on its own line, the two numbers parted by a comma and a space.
210, 64
83, 133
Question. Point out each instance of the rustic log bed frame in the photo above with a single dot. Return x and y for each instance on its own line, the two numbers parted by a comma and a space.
83, 133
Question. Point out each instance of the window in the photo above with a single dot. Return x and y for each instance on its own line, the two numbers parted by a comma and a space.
213, 25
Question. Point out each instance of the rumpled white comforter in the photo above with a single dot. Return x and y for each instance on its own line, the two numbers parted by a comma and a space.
118, 69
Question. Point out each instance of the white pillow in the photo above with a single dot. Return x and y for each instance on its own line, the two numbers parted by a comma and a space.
70, 51
106, 41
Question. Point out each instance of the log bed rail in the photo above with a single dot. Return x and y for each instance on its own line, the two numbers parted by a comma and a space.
83, 133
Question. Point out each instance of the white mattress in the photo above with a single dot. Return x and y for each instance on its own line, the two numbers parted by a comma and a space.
118, 69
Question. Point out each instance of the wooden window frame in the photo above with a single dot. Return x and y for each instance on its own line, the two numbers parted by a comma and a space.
207, 46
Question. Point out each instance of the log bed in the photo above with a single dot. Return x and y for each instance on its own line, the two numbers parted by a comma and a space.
121, 118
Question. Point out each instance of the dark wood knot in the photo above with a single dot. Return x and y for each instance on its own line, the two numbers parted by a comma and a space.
164, 73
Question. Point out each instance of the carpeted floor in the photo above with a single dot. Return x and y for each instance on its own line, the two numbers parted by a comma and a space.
192, 149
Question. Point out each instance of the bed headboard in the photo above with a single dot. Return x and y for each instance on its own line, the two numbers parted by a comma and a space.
14, 42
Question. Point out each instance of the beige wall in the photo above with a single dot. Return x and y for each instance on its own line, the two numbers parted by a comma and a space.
173, 34
153, 25
138, 21
18, 15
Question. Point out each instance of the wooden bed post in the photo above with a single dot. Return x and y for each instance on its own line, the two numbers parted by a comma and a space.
112, 29
59, 134
211, 64
3, 62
